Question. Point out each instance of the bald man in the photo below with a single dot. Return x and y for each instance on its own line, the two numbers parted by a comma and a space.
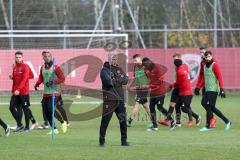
113, 78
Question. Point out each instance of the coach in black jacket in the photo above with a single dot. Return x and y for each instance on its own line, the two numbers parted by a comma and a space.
113, 78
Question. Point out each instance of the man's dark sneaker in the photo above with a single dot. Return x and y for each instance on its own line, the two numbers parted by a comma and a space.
125, 144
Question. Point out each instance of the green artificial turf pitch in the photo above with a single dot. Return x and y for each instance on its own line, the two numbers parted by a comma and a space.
81, 140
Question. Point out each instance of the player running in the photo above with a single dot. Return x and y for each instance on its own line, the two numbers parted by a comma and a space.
141, 81
183, 83
20, 90
181, 95
52, 76
157, 92
200, 84
5, 127
213, 85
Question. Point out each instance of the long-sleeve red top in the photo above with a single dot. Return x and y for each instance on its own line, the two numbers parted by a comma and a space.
183, 80
60, 78
200, 80
20, 76
156, 79
216, 70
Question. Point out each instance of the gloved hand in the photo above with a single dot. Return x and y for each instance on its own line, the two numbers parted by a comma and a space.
36, 86
222, 93
49, 84
197, 91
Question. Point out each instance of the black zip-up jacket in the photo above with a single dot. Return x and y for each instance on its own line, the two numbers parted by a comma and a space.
113, 78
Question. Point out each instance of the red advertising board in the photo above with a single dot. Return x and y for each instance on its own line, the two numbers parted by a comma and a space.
82, 66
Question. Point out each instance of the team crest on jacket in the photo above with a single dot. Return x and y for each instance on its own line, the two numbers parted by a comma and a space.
193, 62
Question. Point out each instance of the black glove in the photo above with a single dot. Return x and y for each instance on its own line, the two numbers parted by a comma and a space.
197, 91
222, 93
49, 84
36, 86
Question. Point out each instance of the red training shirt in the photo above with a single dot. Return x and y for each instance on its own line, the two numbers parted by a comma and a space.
156, 80
60, 78
21, 75
183, 80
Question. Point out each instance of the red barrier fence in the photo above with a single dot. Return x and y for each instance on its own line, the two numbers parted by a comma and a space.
93, 59
228, 58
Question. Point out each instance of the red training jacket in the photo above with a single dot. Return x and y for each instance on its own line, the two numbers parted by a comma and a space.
21, 75
60, 78
183, 80
156, 79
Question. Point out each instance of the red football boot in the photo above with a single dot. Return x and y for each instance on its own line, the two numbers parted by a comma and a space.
189, 123
165, 122
212, 122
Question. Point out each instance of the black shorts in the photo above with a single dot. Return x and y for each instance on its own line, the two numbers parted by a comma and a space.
175, 95
185, 100
141, 96
20, 101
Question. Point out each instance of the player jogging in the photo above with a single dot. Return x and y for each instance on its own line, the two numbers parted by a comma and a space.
20, 90
52, 76
157, 92
200, 84
183, 83
141, 81
213, 85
